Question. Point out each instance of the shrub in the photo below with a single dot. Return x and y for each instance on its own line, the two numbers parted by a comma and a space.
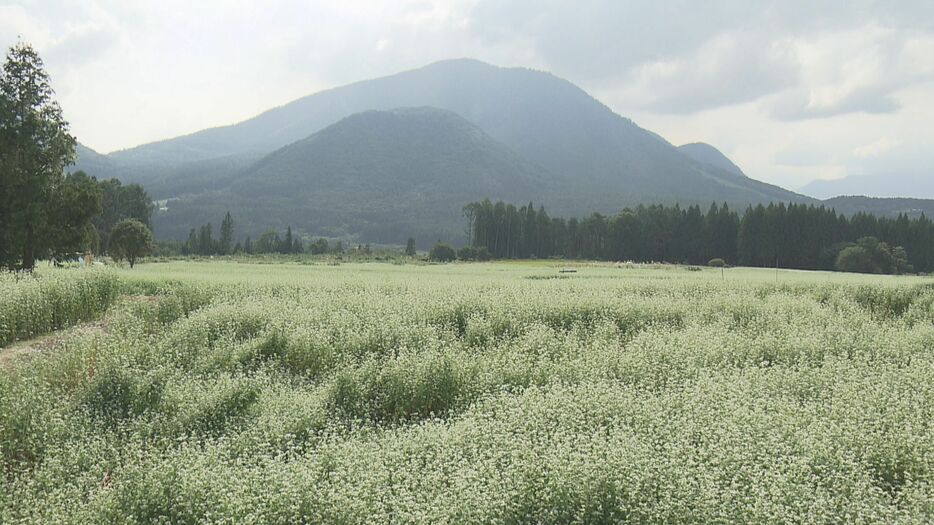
441, 252
717, 263
472, 253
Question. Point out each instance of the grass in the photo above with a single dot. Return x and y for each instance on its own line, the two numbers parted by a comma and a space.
477, 393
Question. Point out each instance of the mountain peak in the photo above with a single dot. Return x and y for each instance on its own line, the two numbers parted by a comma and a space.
707, 154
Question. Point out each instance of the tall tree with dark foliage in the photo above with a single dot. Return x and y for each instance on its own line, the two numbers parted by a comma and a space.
43, 212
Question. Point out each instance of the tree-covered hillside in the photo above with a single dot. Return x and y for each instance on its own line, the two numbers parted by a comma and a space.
378, 174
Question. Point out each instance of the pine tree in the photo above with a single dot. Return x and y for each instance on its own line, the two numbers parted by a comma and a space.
206, 240
286, 245
226, 240
192, 246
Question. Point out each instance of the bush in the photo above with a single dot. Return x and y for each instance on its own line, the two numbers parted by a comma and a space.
869, 255
717, 263
472, 253
441, 252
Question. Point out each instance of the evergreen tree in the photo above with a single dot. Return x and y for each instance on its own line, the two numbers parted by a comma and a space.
792, 236
38, 213
192, 247
226, 240
286, 245
205, 240
410, 247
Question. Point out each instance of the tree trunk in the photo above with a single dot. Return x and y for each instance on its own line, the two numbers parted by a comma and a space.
29, 256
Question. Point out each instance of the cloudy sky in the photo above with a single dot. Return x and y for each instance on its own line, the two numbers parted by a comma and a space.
791, 90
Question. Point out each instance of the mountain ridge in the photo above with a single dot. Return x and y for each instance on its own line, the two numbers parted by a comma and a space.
606, 160
372, 173
707, 154
889, 185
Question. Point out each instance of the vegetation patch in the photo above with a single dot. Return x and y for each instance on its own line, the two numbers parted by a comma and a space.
470, 393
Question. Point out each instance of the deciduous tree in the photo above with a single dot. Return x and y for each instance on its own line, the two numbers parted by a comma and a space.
130, 240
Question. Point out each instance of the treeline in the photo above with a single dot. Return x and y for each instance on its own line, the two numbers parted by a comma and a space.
788, 236
201, 241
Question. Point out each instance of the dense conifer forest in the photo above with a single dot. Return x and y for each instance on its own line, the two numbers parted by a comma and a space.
795, 236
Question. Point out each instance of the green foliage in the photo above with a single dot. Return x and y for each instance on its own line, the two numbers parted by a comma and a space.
42, 212
130, 240
119, 202
73, 207
869, 255
441, 252
762, 237
35, 305
471, 253
225, 244
319, 247
410, 247
717, 263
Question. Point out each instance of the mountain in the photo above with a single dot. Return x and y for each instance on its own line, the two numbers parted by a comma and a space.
376, 174
916, 185
881, 206
93, 163
707, 154
547, 121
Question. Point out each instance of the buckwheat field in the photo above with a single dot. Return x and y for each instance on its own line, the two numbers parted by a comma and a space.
219, 392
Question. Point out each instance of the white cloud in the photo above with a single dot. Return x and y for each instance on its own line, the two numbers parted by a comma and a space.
874, 149
720, 72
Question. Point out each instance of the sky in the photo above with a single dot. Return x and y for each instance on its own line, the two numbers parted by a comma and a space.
791, 90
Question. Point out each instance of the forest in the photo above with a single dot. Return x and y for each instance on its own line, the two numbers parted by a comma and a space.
794, 236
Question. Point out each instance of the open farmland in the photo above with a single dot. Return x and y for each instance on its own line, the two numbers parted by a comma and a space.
218, 392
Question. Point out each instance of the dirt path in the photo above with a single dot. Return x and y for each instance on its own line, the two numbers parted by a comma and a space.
57, 339
47, 342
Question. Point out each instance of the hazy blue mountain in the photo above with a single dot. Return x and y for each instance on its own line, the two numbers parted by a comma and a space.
382, 175
911, 185
93, 163
707, 154
889, 206
542, 117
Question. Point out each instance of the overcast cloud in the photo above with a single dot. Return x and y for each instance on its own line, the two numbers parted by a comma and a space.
791, 90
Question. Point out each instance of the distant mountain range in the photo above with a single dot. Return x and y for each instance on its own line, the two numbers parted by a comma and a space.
888, 185
383, 159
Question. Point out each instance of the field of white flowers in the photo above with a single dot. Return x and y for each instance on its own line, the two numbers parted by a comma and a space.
474, 393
